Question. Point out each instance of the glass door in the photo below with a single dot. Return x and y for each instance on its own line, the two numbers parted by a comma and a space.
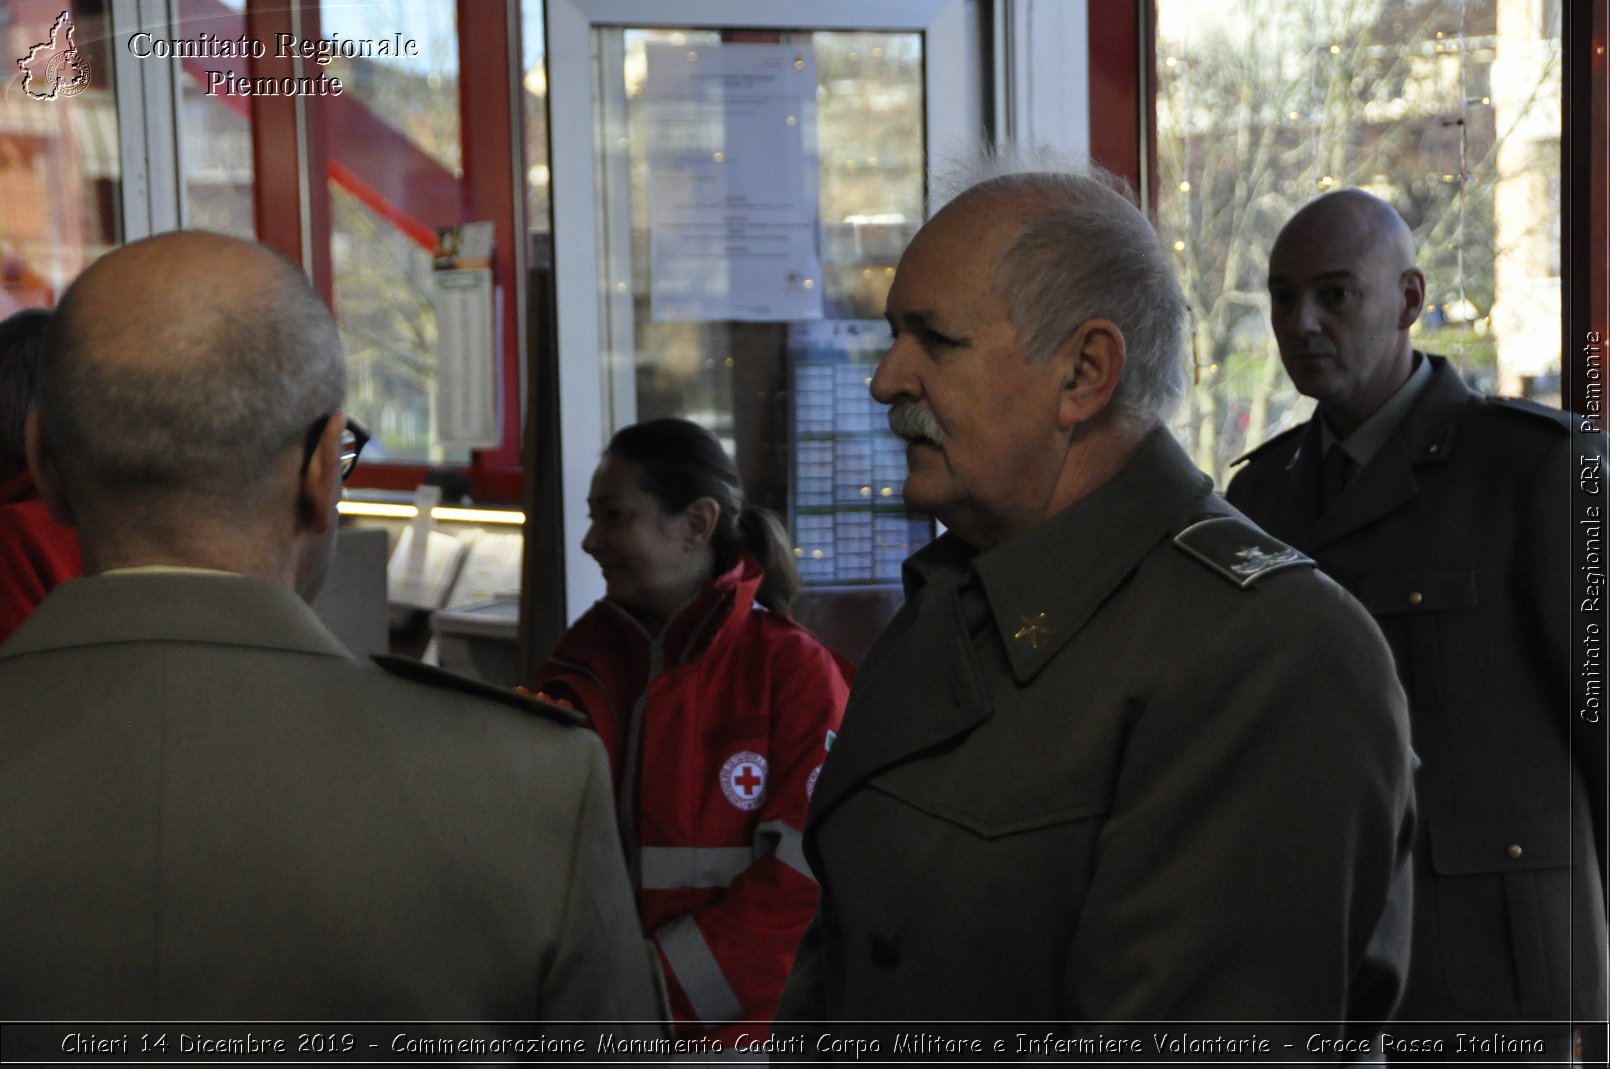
731, 194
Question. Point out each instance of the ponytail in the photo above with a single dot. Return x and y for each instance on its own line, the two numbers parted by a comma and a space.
764, 537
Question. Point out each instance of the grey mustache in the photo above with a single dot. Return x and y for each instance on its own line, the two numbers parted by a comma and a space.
914, 419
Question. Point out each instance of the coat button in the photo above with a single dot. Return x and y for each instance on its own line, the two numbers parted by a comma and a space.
885, 950
1514, 850
1415, 598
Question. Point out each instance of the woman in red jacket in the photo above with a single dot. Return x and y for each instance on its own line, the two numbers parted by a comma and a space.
36, 552
716, 709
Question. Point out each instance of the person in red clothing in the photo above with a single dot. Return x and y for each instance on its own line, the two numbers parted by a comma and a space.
716, 709
36, 552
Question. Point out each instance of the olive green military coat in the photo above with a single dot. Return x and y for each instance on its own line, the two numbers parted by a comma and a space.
1462, 539
210, 810
1141, 763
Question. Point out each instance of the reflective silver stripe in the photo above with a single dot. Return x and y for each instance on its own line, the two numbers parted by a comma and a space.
696, 970
667, 868
774, 838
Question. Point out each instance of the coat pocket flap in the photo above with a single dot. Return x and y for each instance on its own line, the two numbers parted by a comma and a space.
1418, 591
999, 821
1512, 844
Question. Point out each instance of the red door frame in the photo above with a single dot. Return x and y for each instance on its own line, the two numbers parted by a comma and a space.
489, 67
1122, 47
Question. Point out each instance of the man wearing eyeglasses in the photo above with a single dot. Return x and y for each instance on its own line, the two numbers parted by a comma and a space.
208, 808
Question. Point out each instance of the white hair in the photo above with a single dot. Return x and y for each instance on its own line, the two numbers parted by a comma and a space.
1088, 253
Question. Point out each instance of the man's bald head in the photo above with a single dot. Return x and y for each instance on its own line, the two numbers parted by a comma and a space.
1354, 220
1343, 293
185, 365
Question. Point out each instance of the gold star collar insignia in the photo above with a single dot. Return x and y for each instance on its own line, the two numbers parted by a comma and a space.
1033, 630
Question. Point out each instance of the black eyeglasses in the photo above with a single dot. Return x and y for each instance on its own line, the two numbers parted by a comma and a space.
353, 438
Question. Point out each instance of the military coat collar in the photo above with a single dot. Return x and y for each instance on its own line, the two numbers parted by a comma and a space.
922, 683
1044, 586
1387, 483
208, 607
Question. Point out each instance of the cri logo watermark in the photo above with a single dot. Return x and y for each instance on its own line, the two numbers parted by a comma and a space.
55, 68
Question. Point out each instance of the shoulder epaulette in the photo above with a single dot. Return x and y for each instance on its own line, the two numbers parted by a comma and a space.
1554, 417
431, 675
1237, 550
1276, 440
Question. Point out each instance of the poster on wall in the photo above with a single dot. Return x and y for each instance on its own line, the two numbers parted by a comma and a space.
732, 182
849, 524
466, 358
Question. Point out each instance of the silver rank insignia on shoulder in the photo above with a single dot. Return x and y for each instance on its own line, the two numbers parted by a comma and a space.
1237, 550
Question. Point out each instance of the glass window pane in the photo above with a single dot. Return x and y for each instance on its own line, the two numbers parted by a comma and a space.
395, 152
757, 191
388, 327
534, 80
1449, 109
60, 168
216, 154
415, 94
215, 131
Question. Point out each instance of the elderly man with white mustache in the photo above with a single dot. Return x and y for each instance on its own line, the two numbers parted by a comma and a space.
1121, 756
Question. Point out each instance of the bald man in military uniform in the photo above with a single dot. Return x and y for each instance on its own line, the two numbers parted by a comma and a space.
1449, 515
208, 808
1086, 774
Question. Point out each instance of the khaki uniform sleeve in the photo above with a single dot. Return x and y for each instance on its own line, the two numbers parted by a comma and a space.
602, 969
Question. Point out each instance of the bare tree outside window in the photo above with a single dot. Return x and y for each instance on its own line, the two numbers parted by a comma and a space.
382, 275
1449, 109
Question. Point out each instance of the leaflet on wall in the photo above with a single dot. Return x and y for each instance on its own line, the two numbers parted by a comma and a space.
732, 160
466, 358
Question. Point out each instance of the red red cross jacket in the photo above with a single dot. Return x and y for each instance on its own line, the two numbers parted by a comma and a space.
36, 552
715, 730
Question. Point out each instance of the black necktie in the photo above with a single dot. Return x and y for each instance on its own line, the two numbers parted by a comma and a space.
1333, 476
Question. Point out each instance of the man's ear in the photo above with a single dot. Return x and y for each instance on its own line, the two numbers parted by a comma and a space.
1413, 289
1090, 363
319, 483
46, 480
701, 517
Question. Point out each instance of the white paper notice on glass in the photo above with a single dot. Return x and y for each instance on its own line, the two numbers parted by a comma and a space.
466, 359
732, 163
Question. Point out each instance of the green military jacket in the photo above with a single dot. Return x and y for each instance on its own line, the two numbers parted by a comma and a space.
1142, 763
1464, 536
